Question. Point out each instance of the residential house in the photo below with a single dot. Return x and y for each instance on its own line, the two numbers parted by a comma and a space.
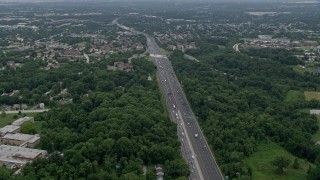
16, 106
71, 53
11, 64
310, 43
120, 66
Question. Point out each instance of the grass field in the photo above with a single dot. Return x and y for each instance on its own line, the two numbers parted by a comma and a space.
167, 53
9, 118
305, 110
294, 96
222, 47
260, 162
312, 95
301, 70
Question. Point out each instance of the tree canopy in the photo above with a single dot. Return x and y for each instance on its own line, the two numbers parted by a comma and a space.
240, 102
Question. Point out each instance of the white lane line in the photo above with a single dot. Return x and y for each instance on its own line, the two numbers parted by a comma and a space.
191, 148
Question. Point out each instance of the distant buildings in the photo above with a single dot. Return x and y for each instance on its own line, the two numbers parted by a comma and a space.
121, 66
13, 107
41, 105
183, 46
266, 13
159, 172
310, 43
11, 64
265, 37
174, 20
266, 41
71, 53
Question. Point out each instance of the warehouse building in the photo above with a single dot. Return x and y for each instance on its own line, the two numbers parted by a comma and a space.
21, 121
18, 139
9, 129
15, 157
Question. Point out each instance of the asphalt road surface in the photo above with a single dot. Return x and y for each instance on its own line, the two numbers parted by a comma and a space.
194, 146
27, 111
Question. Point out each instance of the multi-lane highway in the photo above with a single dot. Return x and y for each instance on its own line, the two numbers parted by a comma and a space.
194, 146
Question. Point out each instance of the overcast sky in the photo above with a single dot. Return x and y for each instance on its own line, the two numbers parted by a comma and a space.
160, 0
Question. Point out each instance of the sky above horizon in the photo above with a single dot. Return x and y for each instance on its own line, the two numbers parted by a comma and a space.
196, 1
167, 0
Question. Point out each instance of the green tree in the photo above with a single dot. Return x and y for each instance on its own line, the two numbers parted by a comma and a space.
281, 162
28, 128
4, 173
309, 169
296, 164
314, 174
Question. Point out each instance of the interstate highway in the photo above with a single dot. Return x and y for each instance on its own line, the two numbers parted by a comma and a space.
194, 145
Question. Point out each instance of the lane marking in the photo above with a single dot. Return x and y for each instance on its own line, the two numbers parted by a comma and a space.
190, 147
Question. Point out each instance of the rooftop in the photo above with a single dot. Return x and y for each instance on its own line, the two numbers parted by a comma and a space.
21, 137
21, 155
22, 120
8, 129
315, 111
34, 139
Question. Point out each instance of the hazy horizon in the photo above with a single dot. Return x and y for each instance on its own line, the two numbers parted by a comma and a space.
263, 1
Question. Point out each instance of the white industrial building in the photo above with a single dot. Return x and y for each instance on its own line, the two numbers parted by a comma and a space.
21, 121
9, 129
15, 157
18, 139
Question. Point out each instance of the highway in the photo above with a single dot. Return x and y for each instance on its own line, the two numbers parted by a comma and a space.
194, 146
26, 111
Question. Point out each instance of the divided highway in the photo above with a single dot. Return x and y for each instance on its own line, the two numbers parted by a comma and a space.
194, 146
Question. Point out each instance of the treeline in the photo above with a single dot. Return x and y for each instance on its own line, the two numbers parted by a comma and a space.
278, 55
239, 101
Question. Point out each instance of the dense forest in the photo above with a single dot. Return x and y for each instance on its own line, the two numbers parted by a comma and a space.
239, 101
116, 125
